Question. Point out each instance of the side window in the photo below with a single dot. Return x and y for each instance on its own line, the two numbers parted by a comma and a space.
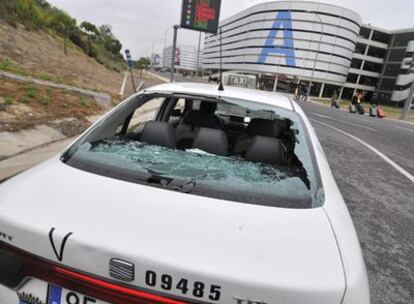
180, 105
146, 112
178, 110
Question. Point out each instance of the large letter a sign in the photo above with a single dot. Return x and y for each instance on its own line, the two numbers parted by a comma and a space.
283, 23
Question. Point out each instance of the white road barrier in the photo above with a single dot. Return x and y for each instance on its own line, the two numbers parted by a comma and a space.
122, 90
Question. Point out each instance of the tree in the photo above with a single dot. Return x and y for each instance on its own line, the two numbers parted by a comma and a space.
91, 32
90, 29
63, 24
142, 64
113, 45
105, 32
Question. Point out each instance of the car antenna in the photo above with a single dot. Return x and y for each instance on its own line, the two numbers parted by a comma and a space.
221, 87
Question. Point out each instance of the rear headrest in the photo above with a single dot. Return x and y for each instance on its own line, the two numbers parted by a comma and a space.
265, 127
267, 150
159, 133
199, 119
194, 118
212, 141
208, 108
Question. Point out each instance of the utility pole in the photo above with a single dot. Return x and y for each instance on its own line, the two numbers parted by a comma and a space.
174, 48
198, 54
409, 102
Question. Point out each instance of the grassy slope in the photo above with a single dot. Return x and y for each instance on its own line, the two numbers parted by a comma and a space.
40, 54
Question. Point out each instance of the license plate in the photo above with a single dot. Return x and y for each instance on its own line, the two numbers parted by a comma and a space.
39, 292
59, 295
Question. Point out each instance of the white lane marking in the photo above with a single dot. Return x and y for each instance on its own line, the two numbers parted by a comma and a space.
344, 122
121, 91
406, 129
380, 154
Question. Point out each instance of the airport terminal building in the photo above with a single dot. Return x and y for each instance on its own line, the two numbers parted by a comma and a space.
300, 41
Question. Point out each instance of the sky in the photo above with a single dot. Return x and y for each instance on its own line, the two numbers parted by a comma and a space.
142, 25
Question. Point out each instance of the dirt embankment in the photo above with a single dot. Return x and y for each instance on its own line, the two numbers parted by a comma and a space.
24, 106
40, 54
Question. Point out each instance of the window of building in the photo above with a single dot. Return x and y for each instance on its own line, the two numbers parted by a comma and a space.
384, 98
347, 93
364, 32
352, 78
372, 67
329, 90
392, 69
397, 55
368, 81
356, 63
376, 52
381, 37
387, 84
360, 48
315, 89
403, 39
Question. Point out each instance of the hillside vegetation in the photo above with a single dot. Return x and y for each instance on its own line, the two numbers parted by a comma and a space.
96, 42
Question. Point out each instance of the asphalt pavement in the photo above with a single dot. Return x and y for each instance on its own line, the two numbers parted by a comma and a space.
372, 160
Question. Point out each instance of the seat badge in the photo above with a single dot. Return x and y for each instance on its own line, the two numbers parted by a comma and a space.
121, 270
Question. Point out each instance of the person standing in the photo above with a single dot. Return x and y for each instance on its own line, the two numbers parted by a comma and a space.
360, 98
334, 98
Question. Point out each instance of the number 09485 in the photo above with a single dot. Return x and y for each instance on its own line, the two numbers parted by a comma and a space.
197, 289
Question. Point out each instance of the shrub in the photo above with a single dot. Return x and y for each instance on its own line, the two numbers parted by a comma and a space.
31, 90
44, 100
9, 100
83, 102
25, 99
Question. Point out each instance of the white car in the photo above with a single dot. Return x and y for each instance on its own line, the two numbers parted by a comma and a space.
184, 194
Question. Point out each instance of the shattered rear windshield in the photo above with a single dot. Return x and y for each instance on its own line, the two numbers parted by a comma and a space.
107, 151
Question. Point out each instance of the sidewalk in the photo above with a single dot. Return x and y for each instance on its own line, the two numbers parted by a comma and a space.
21, 162
25, 160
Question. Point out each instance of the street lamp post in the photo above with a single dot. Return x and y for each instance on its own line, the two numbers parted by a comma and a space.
174, 47
317, 55
198, 54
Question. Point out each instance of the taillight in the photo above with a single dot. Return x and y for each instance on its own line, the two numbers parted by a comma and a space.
17, 265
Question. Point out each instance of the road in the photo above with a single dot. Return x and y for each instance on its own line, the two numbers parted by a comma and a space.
379, 196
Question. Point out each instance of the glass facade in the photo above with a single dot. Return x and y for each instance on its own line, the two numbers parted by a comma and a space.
352, 78
392, 69
402, 39
347, 93
387, 84
368, 81
364, 32
356, 64
397, 55
376, 52
360, 48
329, 90
372, 67
381, 37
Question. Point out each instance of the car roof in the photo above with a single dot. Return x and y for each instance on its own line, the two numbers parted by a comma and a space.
211, 90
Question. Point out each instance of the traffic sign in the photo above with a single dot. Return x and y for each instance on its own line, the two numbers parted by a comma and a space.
201, 15
129, 58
